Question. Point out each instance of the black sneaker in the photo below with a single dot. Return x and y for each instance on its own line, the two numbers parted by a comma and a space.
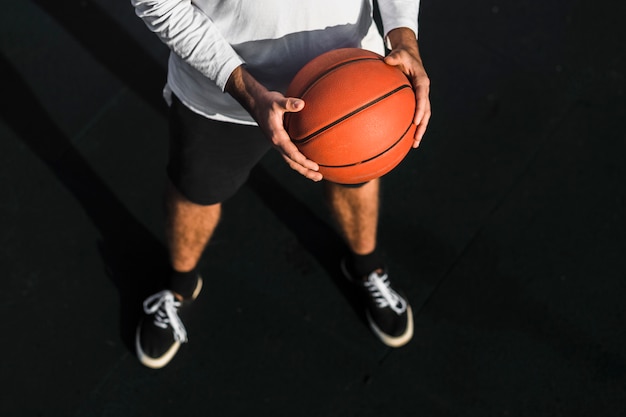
388, 312
161, 331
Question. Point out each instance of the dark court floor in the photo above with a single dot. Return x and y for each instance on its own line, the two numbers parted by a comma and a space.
507, 229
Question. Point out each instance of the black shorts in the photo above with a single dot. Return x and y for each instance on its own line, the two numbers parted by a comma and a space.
210, 160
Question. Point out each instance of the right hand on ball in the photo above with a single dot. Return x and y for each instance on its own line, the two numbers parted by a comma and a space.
406, 56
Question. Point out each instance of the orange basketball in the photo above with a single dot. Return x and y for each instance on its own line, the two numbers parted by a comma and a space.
357, 122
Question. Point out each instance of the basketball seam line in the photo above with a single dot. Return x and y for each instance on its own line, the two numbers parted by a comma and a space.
352, 113
331, 69
325, 73
373, 157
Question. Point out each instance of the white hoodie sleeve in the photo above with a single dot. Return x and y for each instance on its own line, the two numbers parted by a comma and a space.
190, 34
399, 13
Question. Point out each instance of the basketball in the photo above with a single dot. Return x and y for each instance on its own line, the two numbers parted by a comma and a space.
357, 122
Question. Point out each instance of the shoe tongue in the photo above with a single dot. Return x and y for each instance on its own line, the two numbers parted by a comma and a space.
378, 274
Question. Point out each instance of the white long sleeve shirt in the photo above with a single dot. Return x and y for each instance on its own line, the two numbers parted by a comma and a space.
208, 39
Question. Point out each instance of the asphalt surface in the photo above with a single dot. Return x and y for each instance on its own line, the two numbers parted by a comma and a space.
507, 229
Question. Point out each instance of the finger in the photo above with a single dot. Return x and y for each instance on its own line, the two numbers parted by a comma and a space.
302, 160
421, 129
293, 154
293, 104
308, 173
392, 59
422, 102
395, 58
420, 111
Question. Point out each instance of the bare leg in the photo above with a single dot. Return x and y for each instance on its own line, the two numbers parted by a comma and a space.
188, 229
356, 212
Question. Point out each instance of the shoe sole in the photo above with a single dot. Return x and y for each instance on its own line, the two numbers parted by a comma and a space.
155, 363
397, 341
197, 290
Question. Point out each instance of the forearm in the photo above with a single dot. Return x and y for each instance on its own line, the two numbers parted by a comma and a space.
402, 38
245, 89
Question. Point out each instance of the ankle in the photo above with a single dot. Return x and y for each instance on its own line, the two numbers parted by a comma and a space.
360, 266
183, 284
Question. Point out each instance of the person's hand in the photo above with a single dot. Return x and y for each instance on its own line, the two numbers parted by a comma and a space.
405, 55
269, 114
268, 109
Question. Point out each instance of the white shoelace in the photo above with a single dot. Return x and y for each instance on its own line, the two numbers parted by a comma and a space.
165, 309
378, 285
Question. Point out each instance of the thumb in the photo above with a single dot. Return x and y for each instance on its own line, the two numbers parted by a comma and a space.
392, 59
294, 104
